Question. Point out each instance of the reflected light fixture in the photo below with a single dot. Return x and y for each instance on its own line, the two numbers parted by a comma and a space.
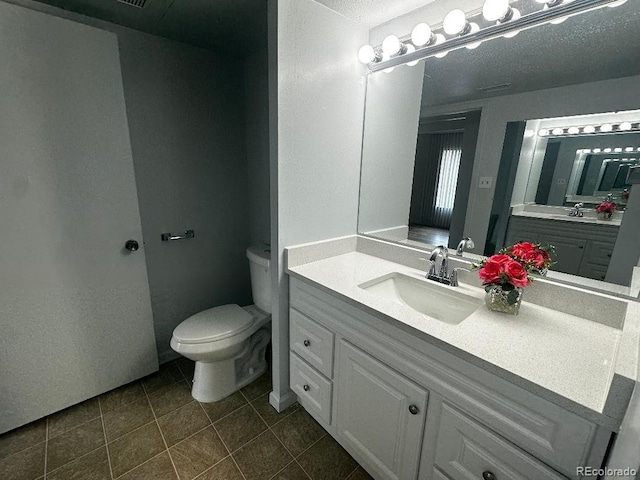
573, 131
606, 128
589, 129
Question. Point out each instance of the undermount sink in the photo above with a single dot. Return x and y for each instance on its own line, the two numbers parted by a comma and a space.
429, 298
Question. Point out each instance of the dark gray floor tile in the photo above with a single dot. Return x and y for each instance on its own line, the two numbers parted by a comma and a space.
25, 465
258, 387
22, 438
170, 398
126, 419
225, 470
327, 460
182, 423
73, 416
168, 374
291, 472
240, 427
135, 448
224, 407
269, 414
121, 396
360, 474
187, 367
197, 453
74, 443
298, 431
158, 468
262, 458
94, 466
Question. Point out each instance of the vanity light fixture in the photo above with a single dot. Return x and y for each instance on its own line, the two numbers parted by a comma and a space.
573, 131
607, 150
606, 128
589, 129
500, 20
624, 127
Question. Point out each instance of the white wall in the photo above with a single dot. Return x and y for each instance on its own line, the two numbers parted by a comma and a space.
317, 91
389, 145
185, 109
596, 97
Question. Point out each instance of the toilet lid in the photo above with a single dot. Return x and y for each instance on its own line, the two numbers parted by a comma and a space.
213, 324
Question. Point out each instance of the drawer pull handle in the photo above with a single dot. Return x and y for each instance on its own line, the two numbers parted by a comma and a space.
487, 475
306, 343
306, 388
413, 410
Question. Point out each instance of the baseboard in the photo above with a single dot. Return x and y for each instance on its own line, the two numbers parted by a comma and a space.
284, 401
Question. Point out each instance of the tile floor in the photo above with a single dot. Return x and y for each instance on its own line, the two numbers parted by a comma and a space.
153, 429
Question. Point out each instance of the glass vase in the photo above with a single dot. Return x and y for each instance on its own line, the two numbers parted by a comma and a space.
505, 301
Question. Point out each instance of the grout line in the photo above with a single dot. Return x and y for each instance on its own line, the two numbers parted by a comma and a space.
106, 442
160, 430
143, 463
46, 447
75, 460
214, 465
72, 428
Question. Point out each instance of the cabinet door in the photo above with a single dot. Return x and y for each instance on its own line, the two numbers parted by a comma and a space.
379, 414
569, 252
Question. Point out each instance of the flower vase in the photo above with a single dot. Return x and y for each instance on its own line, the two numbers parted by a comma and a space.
506, 301
605, 216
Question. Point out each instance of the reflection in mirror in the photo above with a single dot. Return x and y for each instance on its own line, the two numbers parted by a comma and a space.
469, 145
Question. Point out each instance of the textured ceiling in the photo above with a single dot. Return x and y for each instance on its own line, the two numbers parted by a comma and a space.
598, 45
234, 26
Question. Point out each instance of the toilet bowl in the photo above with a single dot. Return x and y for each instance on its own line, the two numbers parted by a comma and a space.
228, 343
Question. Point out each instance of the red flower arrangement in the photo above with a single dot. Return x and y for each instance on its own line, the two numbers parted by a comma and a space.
510, 268
607, 207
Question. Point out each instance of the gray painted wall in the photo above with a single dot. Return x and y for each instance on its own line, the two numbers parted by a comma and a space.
185, 109
317, 90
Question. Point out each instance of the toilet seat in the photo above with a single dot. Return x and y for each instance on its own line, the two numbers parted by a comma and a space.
213, 325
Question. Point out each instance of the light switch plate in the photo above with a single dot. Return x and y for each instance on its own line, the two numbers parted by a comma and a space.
485, 182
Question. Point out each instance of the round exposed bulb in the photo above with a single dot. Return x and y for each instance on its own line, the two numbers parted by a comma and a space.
606, 128
495, 10
617, 4
421, 34
625, 126
618, 150
440, 39
558, 131
589, 129
543, 132
628, 149
597, 150
607, 150
529, 133
411, 49
366, 54
574, 131
455, 22
515, 15
391, 45
386, 57
586, 150
475, 28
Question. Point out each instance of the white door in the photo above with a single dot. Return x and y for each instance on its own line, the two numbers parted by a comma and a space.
379, 413
75, 312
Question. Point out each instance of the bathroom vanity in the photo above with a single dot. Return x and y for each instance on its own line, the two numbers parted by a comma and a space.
444, 389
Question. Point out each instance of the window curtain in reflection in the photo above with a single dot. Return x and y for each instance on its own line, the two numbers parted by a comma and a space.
439, 172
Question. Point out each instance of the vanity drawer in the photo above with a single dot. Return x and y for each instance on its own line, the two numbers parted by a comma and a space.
313, 390
599, 253
467, 451
312, 342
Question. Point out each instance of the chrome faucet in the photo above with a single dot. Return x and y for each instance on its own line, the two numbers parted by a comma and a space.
439, 272
575, 211
466, 242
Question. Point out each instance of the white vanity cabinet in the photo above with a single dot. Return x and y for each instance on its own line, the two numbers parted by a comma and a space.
407, 409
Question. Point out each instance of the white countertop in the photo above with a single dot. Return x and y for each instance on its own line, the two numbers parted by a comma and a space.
567, 355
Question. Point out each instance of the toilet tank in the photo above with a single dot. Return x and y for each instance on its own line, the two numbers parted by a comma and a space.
259, 260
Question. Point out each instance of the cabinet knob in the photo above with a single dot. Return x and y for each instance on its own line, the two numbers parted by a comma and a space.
131, 245
306, 388
487, 475
413, 410
306, 343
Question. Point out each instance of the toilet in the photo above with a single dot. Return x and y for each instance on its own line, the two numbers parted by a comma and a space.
228, 343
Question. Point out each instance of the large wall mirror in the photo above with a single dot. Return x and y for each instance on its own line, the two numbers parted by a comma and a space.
501, 142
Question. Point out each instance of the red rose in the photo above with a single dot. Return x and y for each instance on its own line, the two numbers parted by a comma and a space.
517, 274
524, 250
490, 272
500, 259
539, 260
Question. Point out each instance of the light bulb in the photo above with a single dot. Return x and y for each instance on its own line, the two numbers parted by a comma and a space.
366, 54
586, 150
618, 150
440, 39
515, 15
475, 28
411, 49
607, 150
495, 10
543, 132
606, 128
421, 35
455, 22
625, 126
574, 131
386, 57
628, 149
597, 150
391, 45
589, 129
558, 131
529, 133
